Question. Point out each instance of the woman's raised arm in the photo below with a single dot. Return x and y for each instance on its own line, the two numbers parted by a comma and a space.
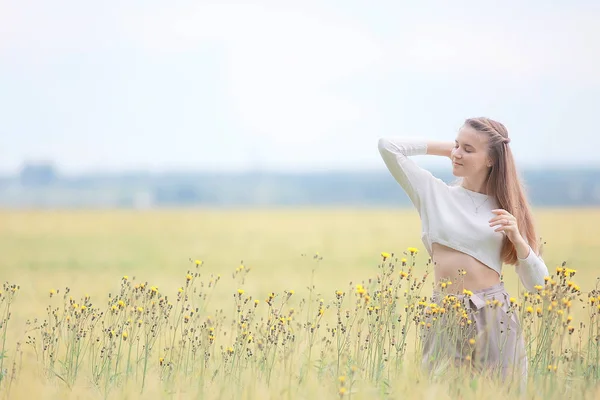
396, 153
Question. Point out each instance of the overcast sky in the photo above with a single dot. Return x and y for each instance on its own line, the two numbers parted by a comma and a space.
276, 85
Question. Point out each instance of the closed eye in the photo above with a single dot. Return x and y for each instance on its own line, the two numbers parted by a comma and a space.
468, 147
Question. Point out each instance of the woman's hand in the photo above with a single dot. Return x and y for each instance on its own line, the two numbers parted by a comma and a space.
507, 224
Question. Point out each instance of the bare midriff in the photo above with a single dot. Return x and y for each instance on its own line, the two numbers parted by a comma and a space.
448, 266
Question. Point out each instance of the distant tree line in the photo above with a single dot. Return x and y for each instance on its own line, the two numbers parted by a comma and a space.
41, 185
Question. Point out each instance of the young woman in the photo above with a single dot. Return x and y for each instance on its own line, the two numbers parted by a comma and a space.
470, 230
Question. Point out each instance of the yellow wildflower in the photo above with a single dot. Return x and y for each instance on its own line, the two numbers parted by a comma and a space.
413, 250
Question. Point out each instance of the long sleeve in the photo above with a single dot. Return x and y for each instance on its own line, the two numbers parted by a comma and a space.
412, 178
532, 270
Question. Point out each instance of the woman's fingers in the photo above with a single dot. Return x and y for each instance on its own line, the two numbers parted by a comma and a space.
501, 220
500, 211
505, 228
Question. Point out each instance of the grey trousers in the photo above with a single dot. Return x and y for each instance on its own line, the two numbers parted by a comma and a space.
479, 330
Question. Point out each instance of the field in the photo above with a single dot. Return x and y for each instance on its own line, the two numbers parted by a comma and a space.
210, 350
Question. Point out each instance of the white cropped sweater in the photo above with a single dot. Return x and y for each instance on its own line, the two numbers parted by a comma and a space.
452, 215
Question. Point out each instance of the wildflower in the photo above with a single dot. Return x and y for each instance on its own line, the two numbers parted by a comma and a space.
342, 391
52, 292
403, 274
291, 292
471, 341
403, 261
467, 292
198, 262
161, 360
125, 335
140, 310
538, 287
413, 250
569, 318
571, 329
360, 289
339, 294
342, 379
529, 310
512, 300
188, 277
385, 255
240, 292
154, 289
256, 302
125, 277
230, 350
180, 290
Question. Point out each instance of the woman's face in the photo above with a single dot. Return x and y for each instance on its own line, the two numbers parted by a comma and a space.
470, 154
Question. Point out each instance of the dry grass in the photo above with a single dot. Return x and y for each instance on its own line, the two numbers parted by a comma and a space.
89, 252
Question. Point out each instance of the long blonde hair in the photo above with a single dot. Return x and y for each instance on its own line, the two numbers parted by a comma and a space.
504, 184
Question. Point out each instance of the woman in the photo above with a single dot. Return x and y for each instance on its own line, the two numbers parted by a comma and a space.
470, 230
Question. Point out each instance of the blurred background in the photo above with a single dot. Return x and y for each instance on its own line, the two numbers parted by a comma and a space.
273, 103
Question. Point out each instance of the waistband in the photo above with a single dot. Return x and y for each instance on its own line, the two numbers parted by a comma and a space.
477, 299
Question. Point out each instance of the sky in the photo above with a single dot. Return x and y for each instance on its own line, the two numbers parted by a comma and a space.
291, 86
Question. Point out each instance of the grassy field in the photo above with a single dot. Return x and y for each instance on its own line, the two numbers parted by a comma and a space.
90, 252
